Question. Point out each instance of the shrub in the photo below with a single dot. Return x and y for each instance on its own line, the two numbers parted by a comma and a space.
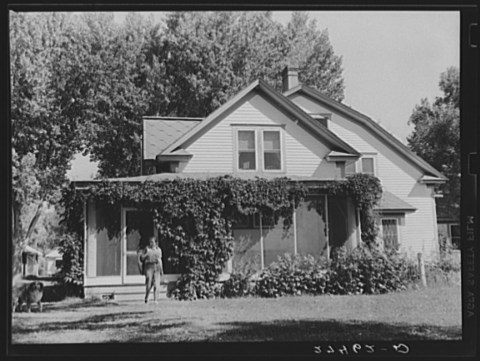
445, 270
363, 271
292, 275
191, 286
369, 271
237, 285
71, 271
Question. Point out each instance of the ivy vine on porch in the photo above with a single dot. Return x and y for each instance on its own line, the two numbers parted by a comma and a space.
196, 217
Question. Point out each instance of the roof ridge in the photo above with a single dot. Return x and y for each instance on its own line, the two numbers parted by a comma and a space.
375, 125
158, 117
277, 97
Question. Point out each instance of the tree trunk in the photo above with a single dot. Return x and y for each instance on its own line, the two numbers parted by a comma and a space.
17, 238
34, 221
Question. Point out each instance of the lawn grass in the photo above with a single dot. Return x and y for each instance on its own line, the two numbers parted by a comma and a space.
428, 314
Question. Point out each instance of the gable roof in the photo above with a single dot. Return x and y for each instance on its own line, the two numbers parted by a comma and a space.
371, 125
282, 102
160, 132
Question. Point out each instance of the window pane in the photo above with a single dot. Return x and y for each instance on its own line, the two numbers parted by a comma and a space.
367, 165
271, 140
272, 160
132, 265
139, 229
390, 235
350, 168
246, 140
246, 160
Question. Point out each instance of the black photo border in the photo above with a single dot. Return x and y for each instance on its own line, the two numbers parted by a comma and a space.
467, 348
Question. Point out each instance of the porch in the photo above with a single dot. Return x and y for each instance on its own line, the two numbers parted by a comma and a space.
319, 224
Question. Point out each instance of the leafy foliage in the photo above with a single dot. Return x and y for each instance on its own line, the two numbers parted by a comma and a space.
82, 82
45, 135
79, 81
40, 113
436, 138
366, 191
210, 56
363, 271
293, 275
71, 271
238, 285
195, 217
367, 270
444, 270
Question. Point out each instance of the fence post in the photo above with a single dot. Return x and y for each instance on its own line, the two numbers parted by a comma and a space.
421, 268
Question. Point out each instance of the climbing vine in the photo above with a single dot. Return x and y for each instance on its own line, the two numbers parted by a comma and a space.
195, 217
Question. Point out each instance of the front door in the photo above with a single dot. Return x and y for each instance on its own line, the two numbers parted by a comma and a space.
137, 227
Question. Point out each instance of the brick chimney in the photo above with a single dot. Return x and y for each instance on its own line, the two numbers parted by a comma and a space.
289, 77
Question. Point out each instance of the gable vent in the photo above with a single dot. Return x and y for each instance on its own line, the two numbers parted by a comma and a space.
322, 118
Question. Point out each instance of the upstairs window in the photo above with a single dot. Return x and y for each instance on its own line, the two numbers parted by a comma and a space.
368, 165
272, 153
246, 150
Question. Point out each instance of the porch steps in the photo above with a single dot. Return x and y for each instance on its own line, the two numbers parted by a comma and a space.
135, 292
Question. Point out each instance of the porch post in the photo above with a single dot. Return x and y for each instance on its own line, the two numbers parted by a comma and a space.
85, 240
123, 243
327, 230
294, 216
262, 261
359, 227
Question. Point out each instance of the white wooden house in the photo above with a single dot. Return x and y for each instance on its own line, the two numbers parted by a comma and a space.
300, 134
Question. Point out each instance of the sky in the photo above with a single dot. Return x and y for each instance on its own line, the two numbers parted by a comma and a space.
391, 60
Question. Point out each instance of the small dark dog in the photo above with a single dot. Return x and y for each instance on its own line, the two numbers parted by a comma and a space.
28, 294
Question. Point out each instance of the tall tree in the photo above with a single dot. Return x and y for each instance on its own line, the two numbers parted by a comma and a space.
44, 134
311, 49
102, 77
210, 56
117, 94
436, 138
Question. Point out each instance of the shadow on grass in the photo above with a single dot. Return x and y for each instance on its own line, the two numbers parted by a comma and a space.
333, 330
78, 305
92, 323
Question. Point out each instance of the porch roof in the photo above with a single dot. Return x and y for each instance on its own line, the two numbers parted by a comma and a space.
391, 203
